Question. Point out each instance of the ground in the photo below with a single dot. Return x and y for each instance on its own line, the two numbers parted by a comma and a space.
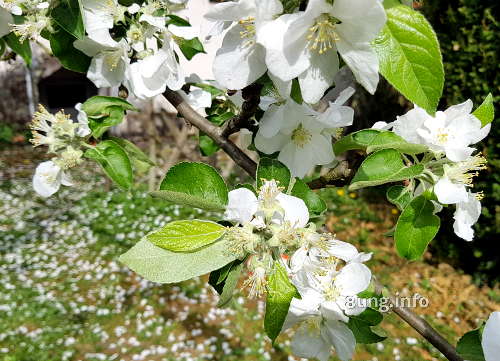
64, 295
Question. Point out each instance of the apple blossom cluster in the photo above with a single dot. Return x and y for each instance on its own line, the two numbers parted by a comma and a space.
327, 273
449, 136
36, 18
144, 57
64, 138
304, 44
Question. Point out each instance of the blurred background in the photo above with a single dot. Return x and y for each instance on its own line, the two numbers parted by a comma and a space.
64, 296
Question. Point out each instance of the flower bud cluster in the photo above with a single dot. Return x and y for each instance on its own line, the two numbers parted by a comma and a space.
36, 17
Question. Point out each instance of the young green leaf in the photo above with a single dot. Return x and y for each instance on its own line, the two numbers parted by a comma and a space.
384, 166
372, 140
67, 14
280, 292
269, 169
104, 112
61, 43
362, 331
399, 196
133, 151
469, 346
114, 161
22, 49
159, 265
190, 47
486, 111
410, 57
315, 204
417, 226
230, 275
187, 235
207, 145
194, 184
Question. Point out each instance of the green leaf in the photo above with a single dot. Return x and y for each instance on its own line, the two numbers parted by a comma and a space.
207, 145
194, 184
417, 226
176, 20
22, 49
315, 204
104, 112
67, 14
486, 111
372, 140
296, 93
280, 292
114, 161
133, 151
61, 43
187, 235
399, 196
469, 346
410, 57
219, 119
363, 332
384, 166
190, 47
225, 280
270, 169
369, 316
159, 265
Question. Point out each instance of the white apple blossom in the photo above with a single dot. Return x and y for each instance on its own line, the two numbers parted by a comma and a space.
491, 337
302, 135
452, 187
449, 132
12, 7
48, 179
305, 44
324, 308
110, 58
466, 215
99, 14
271, 204
241, 60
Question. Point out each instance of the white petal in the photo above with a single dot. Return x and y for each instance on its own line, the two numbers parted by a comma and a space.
459, 110
361, 20
296, 159
382, 125
231, 11
406, 125
296, 211
271, 145
275, 37
267, 10
284, 87
47, 179
242, 205
343, 250
491, 337
363, 62
300, 310
341, 337
198, 98
450, 193
319, 76
337, 116
466, 215
353, 279
458, 154
332, 311
185, 32
238, 63
308, 343
273, 120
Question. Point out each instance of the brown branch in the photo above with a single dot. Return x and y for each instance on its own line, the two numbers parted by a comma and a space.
251, 95
419, 324
184, 109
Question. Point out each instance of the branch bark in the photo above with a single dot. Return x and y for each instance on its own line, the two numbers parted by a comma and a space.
415, 321
251, 95
420, 325
184, 109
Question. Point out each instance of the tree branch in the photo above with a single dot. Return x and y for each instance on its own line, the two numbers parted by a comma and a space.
184, 109
419, 324
251, 95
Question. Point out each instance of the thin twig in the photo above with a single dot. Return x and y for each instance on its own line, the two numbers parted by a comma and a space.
184, 109
251, 95
420, 325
